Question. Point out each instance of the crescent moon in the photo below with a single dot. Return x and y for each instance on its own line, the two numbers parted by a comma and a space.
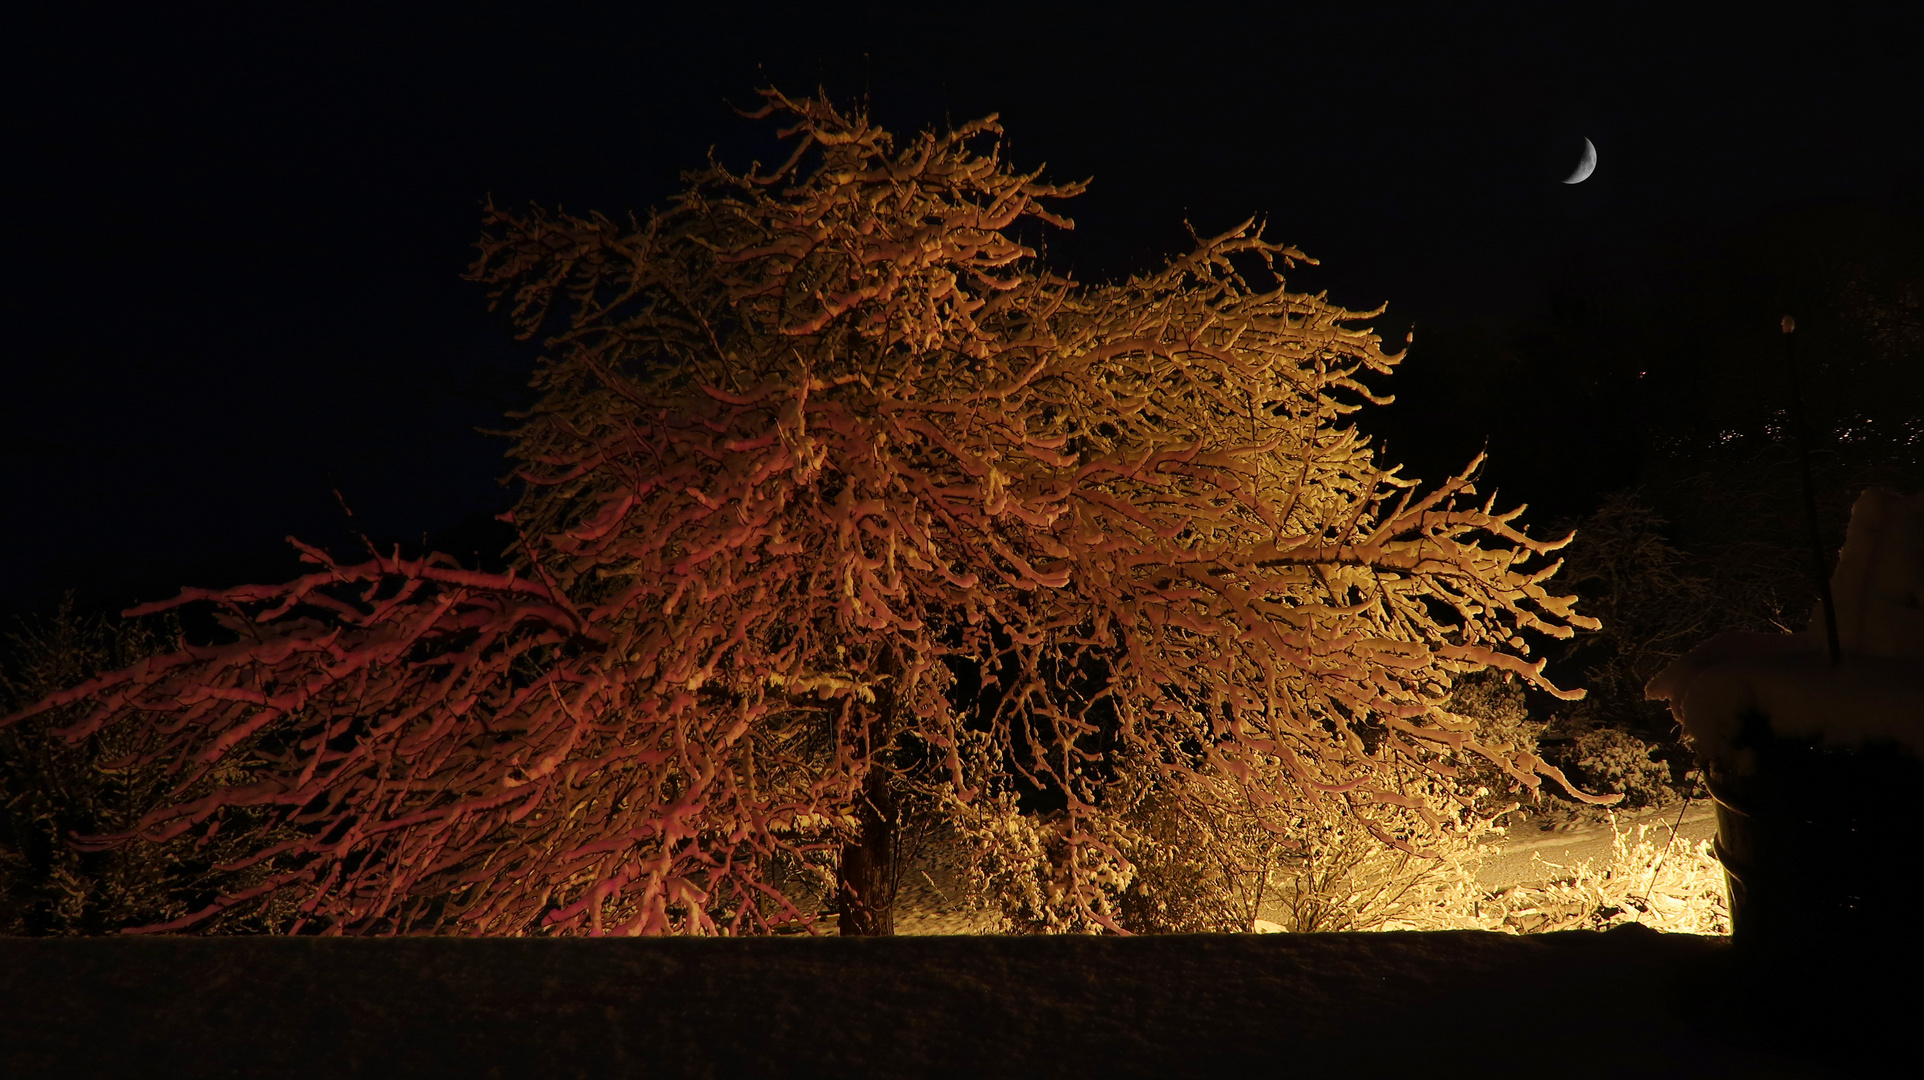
1586, 166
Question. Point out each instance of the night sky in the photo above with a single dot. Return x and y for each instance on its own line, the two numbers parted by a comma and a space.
234, 240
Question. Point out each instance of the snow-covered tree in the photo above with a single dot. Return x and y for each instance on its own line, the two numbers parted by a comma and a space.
840, 505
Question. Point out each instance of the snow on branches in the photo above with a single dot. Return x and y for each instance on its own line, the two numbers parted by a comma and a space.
834, 491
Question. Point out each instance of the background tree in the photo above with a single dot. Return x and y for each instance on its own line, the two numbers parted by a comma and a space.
1713, 538
838, 504
53, 790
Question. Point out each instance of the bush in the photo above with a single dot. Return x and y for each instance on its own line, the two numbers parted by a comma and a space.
1218, 857
1614, 760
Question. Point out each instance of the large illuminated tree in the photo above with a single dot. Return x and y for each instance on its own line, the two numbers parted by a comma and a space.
838, 500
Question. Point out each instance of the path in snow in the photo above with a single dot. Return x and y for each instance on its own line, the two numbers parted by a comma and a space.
1527, 853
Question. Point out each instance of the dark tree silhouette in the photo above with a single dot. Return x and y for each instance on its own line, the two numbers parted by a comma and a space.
52, 790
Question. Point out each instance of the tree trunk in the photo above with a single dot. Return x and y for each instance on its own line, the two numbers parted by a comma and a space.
867, 877
865, 883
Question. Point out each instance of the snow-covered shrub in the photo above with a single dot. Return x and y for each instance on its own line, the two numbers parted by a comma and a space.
1021, 870
1497, 704
1210, 859
1341, 881
1609, 759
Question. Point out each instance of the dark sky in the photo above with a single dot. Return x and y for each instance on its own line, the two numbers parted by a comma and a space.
234, 240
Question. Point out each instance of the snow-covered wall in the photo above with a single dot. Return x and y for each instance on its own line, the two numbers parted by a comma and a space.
1876, 694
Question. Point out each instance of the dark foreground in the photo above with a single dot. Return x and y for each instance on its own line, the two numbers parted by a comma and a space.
1628, 1003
